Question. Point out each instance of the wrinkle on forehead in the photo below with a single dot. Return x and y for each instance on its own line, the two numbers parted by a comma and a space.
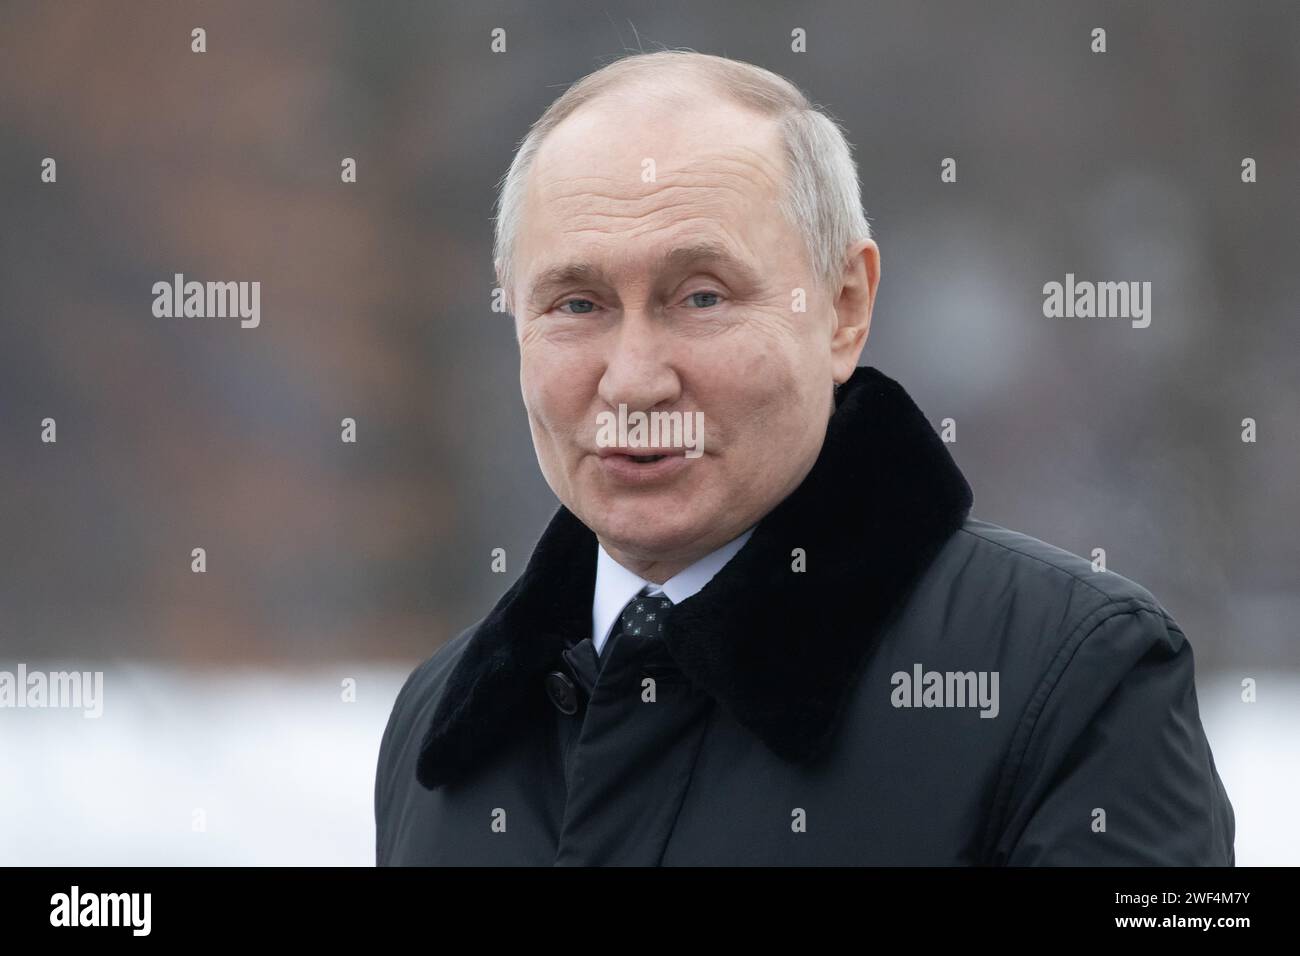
601, 150
574, 206
664, 216
582, 186
711, 183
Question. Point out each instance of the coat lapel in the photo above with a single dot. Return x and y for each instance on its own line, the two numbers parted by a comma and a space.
782, 649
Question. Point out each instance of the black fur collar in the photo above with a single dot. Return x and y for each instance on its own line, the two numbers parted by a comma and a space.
880, 500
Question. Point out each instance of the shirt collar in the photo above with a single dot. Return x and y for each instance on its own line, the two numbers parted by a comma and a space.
616, 585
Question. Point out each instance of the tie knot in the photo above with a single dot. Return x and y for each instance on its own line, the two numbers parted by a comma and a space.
643, 616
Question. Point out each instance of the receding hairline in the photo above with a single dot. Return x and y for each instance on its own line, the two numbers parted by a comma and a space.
678, 74
647, 93
667, 81
672, 75
658, 84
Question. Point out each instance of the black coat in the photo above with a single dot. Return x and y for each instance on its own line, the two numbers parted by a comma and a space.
780, 720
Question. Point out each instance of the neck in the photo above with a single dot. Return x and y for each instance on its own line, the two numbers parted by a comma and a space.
654, 570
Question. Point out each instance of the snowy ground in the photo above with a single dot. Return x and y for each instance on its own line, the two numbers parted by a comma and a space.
278, 769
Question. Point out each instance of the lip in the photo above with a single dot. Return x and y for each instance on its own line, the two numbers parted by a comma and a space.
639, 450
617, 464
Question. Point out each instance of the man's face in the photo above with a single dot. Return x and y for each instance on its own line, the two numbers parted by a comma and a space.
656, 270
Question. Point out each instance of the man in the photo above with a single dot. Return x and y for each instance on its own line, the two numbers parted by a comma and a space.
790, 642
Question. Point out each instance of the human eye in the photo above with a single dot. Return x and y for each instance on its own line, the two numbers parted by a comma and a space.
580, 306
704, 299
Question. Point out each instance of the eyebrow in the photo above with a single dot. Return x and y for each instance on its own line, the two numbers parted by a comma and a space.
683, 257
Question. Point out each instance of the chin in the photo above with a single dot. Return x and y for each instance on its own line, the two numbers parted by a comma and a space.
650, 527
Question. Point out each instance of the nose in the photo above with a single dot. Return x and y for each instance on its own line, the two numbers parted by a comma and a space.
638, 370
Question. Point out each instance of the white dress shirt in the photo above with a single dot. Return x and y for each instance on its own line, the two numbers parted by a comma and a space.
616, 585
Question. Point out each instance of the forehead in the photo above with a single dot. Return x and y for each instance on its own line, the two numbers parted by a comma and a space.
612, 135
635, 173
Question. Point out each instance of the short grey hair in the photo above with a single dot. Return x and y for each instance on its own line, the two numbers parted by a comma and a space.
822, 197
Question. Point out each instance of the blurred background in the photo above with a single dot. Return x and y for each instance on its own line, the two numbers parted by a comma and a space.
329, 562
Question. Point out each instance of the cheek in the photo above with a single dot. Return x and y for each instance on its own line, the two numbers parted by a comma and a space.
765, 396
554, 383
769, 370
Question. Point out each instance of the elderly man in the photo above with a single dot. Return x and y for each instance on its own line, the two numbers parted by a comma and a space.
795, 645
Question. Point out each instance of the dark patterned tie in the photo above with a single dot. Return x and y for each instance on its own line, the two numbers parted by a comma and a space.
643, 616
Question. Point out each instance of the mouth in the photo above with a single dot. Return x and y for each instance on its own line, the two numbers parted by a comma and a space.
641, 453
642, 466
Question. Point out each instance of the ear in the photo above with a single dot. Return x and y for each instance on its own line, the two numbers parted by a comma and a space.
853, 304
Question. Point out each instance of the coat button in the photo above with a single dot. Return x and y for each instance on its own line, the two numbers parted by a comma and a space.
562, 692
